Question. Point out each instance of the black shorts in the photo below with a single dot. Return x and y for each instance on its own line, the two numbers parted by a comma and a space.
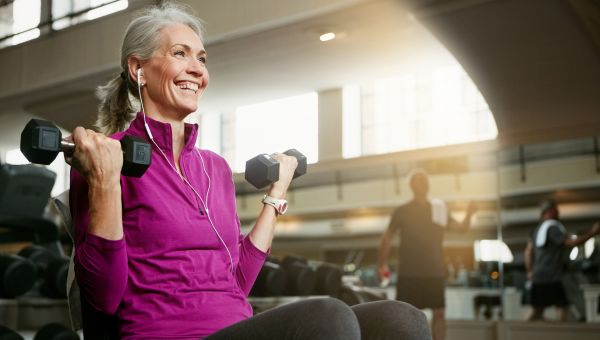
548, 294
422, 292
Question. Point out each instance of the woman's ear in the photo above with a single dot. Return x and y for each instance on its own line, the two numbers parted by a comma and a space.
134, 64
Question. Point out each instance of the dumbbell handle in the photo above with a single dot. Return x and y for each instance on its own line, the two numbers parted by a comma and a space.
67, 147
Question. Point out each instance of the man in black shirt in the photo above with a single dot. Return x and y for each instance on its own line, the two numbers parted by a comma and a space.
421, 223
546, 256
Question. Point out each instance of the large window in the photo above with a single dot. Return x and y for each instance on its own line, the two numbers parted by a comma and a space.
415, 111
84, 10
23, 20
209, 130
19, 22
276, 126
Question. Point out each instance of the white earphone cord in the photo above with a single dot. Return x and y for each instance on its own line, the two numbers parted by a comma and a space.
204, 205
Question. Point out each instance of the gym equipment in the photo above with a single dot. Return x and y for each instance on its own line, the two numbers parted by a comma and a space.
328, 279
8, 334
24, 190
263, 170
17, 275
300, 278
55, 331
270, 281
52, 269
353, 295
41, 141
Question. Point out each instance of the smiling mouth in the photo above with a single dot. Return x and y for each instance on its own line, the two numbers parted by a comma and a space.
188, 86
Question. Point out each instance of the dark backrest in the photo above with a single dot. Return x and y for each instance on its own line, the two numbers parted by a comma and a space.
95, 325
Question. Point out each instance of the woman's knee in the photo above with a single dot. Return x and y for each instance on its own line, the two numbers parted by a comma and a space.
332, 317
392, 318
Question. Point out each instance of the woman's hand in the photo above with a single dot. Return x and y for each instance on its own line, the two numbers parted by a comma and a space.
287, 166
97, 157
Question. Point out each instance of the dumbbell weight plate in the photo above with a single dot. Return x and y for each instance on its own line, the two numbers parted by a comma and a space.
261, 171
40, 141
55, 331
137, 156
17, 275
8, 334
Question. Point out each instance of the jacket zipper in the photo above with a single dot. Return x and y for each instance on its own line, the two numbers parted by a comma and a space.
187, 183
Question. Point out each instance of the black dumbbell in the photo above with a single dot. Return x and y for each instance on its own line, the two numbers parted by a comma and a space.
8, 334
17, 275
55, 331
52, 268
353, 295
328, 279
270, 281
263, 170
41, 141
300, 278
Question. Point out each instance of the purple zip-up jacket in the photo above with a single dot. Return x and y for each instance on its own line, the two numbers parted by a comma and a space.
169, 277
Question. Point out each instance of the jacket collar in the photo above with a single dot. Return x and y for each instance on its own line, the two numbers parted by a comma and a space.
162, 133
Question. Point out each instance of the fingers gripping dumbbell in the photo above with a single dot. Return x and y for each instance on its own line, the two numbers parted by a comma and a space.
41, 141
263, 170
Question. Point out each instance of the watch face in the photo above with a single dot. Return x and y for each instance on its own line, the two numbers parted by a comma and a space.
283, 208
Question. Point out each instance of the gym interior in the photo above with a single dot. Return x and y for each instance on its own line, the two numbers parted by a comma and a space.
497, 101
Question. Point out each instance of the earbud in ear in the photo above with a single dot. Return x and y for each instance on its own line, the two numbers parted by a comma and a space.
139, 74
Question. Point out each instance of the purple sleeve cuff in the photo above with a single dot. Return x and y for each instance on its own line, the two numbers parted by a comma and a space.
251, 248
101, 270
251, 261
102, 243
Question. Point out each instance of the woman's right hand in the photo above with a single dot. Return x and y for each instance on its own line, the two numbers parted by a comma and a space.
97, 157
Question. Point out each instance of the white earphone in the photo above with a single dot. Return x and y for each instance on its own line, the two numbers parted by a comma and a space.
202, 201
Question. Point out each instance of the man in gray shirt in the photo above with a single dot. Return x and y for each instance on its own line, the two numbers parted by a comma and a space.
545, 260
420, 224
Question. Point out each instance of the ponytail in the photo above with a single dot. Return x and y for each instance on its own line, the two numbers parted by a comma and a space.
115, 111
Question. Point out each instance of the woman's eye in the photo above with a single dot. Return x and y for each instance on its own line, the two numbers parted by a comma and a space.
179, 53
202, 60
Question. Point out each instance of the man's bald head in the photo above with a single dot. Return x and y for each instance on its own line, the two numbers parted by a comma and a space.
419, 183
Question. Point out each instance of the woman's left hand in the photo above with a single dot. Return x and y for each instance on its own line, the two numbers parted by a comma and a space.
287, 166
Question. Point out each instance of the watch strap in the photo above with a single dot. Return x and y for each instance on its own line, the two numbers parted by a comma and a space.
280, 205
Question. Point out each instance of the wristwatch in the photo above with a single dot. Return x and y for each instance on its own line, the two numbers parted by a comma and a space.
280, 205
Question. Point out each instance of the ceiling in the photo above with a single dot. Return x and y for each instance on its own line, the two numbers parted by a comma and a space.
535, 62
376, 39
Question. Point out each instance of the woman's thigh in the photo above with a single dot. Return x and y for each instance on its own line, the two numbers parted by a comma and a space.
315, 319
391, 320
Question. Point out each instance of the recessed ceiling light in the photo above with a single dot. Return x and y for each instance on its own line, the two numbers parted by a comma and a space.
327, 36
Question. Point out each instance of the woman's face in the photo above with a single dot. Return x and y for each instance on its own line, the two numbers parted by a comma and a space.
175, 76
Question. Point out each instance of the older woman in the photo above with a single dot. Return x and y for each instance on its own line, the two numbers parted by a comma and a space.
164, 252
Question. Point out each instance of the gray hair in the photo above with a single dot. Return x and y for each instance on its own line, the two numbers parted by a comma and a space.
141, 39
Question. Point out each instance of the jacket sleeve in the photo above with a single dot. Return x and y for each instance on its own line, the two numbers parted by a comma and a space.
100, 264
251, 261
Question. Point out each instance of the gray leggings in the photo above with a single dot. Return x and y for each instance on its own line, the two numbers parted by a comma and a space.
330, 319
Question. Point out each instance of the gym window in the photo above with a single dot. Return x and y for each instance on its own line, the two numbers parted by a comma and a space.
210, 128
275, 126
415, 111
24, 20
